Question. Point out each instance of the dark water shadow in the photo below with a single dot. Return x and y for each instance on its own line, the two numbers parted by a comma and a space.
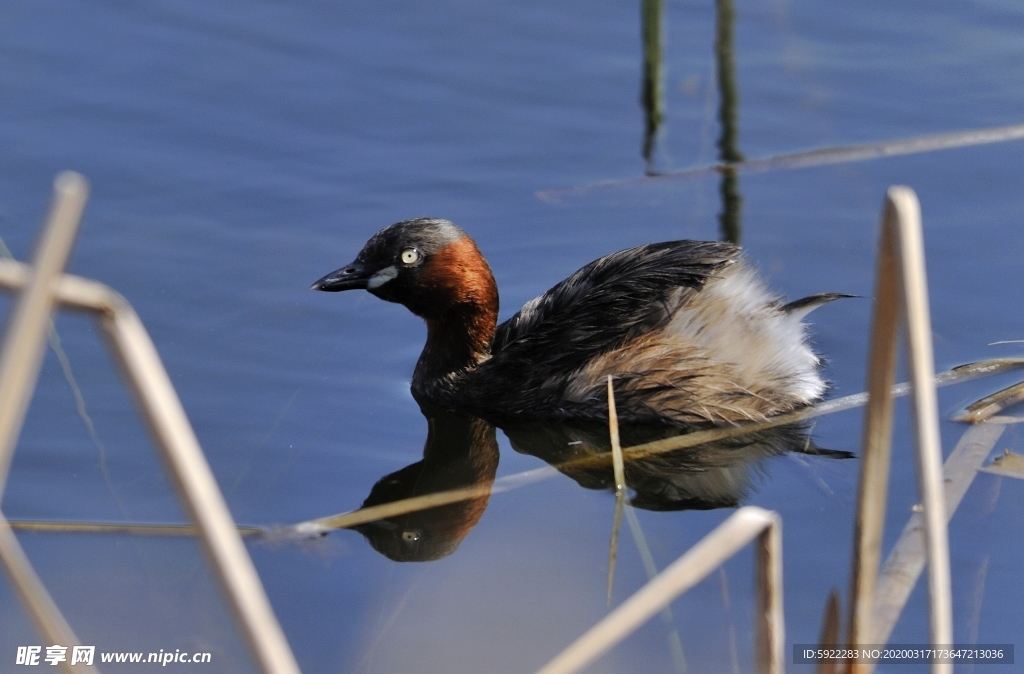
719, 474
462, 452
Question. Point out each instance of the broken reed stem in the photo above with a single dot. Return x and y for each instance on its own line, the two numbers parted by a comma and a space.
408, 505
829, 637
117, 528
989, 406
618, 465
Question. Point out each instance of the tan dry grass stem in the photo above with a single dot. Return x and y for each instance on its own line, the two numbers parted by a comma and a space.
619, 469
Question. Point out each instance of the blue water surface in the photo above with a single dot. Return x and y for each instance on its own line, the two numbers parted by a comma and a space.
239, 151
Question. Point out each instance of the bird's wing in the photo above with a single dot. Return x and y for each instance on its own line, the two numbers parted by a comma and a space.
603, 305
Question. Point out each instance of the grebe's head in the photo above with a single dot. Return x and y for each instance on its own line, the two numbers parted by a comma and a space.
427, 264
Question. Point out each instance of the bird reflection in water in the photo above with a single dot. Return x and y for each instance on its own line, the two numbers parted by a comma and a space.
462, 452
717, 474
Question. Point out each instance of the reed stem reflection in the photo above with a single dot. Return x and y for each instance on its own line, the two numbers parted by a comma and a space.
728, 116
652, 96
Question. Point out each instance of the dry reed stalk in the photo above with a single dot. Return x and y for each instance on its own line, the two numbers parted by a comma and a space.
619, 470
129, 528
43, 284
989, 406
739, 529
906, 561
20, 360
901, 300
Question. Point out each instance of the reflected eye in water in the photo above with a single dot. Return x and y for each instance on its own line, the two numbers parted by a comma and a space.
460, 452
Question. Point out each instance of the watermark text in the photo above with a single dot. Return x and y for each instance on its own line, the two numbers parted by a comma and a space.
86, 655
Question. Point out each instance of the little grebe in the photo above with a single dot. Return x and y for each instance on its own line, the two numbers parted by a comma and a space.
689, 332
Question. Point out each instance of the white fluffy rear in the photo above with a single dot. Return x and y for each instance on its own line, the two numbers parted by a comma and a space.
729, 354
738, 323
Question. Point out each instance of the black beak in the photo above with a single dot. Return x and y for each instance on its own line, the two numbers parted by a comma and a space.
350, 277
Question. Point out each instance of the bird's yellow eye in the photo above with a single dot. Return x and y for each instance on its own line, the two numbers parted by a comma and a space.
410, 256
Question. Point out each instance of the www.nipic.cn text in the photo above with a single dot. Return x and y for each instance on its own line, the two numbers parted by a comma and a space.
85, 655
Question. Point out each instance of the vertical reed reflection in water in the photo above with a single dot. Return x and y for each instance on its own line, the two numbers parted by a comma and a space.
728, 114
652, 96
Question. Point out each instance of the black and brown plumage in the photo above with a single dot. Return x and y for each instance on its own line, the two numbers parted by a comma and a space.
690, 333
